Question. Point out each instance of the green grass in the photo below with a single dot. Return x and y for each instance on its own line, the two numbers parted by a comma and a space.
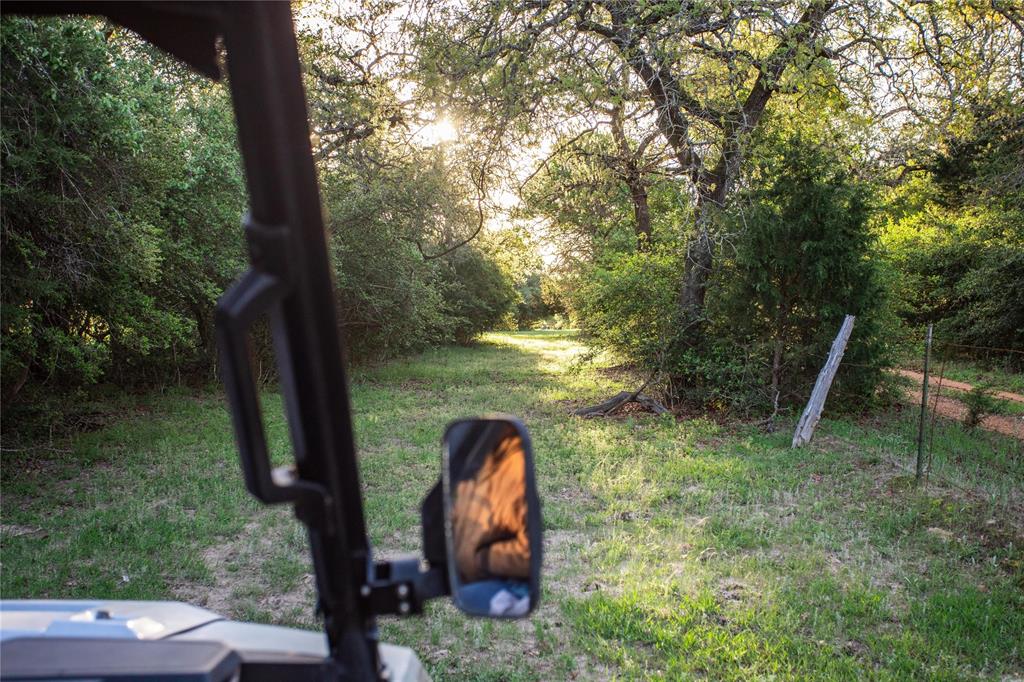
674, 549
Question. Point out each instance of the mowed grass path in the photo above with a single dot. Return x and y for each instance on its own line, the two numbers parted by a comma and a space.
674, 549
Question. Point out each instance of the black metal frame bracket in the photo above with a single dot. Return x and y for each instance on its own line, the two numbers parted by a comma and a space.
402, 586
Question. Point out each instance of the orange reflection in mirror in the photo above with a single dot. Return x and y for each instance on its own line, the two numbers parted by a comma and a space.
489, 516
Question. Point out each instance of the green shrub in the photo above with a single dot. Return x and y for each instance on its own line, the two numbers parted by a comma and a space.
477, 294
980, 402
800, 257
120, 203
956, 235
625, 303
804, 258
389, 298
537, 301
392, 299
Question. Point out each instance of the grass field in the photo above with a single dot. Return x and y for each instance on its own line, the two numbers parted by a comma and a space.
674, 549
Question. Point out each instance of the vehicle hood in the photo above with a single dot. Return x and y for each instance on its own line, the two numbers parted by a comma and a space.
254, 643
99, 619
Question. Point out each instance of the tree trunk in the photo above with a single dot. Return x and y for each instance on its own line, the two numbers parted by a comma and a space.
779, 333
776, 369
696, 272
629, 167
642, 214
690, 302
12, 388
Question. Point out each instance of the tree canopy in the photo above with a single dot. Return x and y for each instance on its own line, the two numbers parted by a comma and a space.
702, 187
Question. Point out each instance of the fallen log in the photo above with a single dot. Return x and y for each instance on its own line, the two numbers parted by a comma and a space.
651, 404
616, 402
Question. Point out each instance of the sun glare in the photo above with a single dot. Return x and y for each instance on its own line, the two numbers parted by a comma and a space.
437, 132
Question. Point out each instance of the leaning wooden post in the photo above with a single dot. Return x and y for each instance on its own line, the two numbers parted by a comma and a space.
812, 413
919, 469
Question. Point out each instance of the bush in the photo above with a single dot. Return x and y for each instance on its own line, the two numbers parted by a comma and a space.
537, 301
392, 299
477, 294
120, 204
980, 402
804, 258
960, 246
625, 303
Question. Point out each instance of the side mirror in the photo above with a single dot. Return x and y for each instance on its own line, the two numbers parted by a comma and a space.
492, 513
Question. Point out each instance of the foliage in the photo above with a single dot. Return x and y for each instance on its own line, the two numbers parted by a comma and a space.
388, 228
585, 208
624, 303
980, 402
588, 210
388, 296
663, 196
803, 260
402, 216
800, 259
122, 195
688, 89
959, 247
515, 251
538, 302
117, 190
477, 295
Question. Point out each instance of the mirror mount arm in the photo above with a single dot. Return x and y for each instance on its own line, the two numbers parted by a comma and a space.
400, 587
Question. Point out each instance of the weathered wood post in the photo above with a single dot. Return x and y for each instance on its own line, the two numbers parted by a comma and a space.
919, 468
812, 413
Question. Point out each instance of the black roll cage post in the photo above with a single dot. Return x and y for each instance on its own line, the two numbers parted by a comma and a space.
289, 282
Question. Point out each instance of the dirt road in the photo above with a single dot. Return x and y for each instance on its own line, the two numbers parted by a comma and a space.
958, 385
951, 408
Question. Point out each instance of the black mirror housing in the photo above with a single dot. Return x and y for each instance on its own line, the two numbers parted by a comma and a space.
492, 517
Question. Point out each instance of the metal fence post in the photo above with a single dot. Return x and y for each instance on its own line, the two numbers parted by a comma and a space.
919, 469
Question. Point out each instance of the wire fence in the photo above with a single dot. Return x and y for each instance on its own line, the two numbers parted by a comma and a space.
966, 409
957, 417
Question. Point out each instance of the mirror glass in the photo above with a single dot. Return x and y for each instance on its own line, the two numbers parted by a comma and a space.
493, 518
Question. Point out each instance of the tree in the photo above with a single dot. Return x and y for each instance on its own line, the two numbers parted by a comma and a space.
708, 72
959, 243
390, 229
478, 295
582, 204
803, 261
117, 191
